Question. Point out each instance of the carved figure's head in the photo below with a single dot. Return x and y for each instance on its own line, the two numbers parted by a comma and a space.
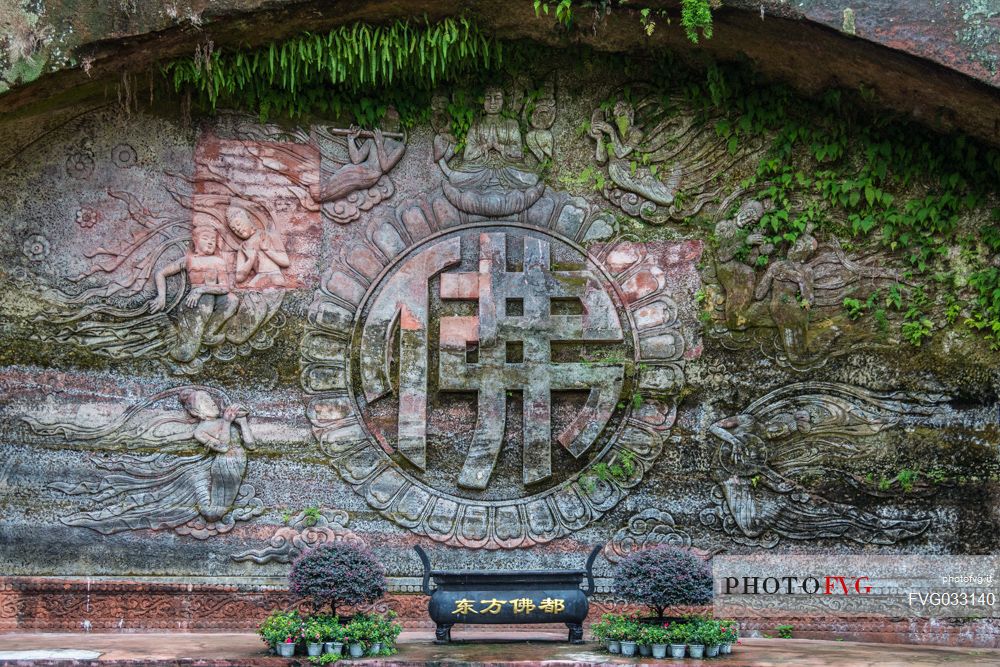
390, 120
544, 114
803, 248
750, 213
239, 221
199, 404
626, 112
205, 240
440, 117
493, 100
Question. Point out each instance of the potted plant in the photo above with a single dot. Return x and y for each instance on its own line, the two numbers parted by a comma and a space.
286, 649
358, 635
677, 638
333, 636
281, 631
656, 640
663, 577
313, 630
630, 636
337, 573
616, 632
375, 635
389, 631
730, 635
696, 640
643, 640
712, 637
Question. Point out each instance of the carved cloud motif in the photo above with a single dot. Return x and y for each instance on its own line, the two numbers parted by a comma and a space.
649, 528
302, 532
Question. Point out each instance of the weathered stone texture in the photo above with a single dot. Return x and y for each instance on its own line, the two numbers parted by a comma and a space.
224, 342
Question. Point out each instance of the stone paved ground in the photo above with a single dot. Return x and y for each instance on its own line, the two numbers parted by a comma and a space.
230, 650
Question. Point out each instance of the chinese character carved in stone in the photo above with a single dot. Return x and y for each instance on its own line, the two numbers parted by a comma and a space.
495, 331
465, 377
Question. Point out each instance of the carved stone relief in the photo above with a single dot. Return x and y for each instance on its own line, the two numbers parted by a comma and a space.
541, 116
493, 177
649, 528
382, 317
476, 349
661, 161
302, 532
206, 281
789, 308
182, 470
354, 164
809, 429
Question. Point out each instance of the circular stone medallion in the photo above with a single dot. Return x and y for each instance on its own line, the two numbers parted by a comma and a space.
491, 385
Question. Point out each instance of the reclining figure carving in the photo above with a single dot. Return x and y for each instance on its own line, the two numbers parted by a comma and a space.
192, 483
354, 164
801, 430
662, 163
790, 307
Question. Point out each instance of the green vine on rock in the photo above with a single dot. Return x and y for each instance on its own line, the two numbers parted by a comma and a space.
696, 15
841, 166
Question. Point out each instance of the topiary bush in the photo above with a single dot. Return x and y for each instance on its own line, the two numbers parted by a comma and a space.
662, 577
337, 573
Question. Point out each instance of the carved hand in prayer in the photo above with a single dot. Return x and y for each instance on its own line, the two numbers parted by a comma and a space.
597, 128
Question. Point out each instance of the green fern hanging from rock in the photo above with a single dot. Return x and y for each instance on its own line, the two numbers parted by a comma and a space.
328, 73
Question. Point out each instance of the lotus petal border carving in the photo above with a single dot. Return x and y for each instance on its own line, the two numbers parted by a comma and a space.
357, 456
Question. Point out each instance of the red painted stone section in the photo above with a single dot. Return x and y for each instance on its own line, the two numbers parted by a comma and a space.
938, 31
676, 264
266, 174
